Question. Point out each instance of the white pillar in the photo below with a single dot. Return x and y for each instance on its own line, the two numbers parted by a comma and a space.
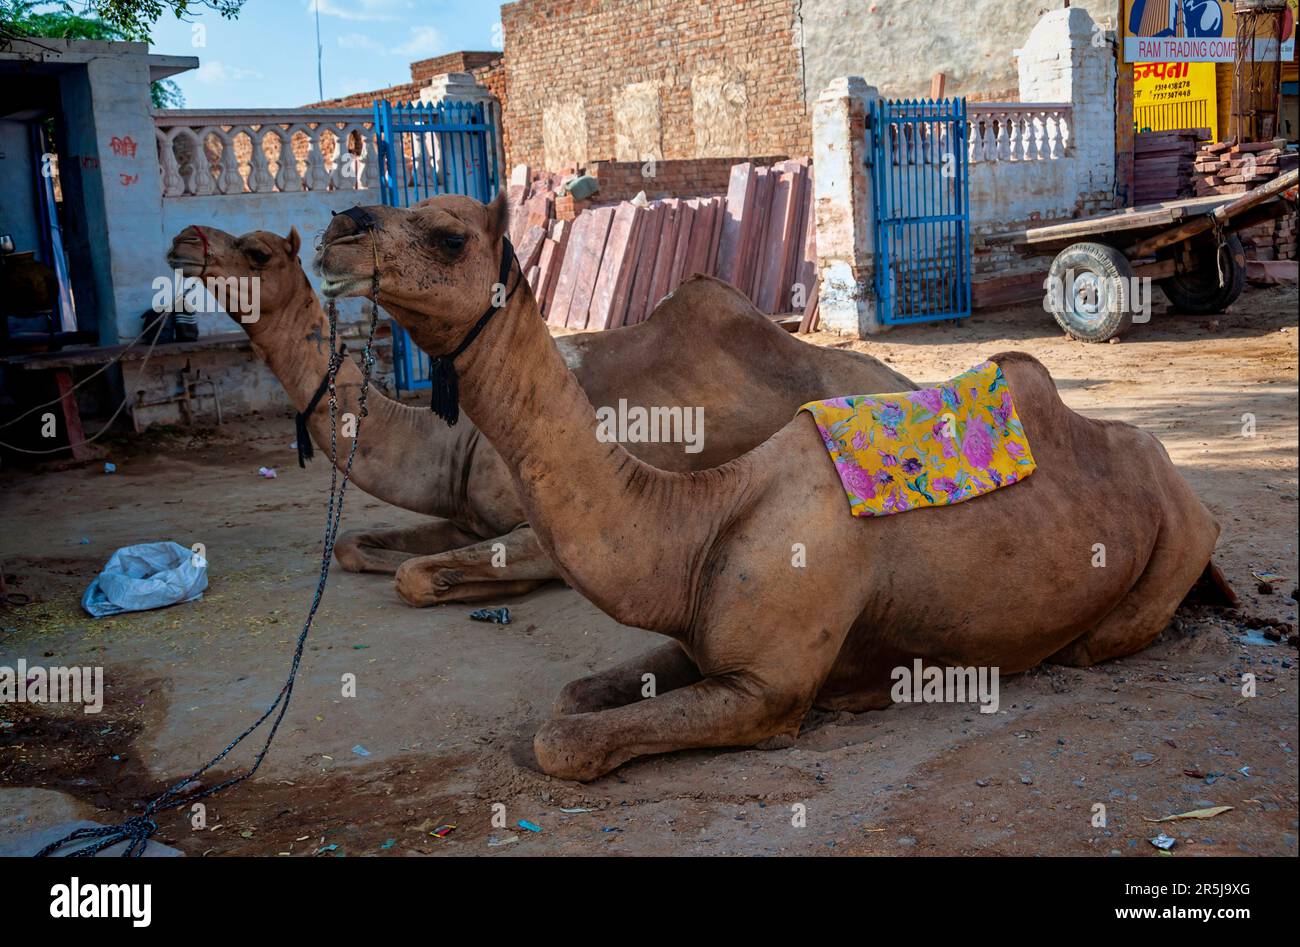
462, 87
1068, 57
842, 198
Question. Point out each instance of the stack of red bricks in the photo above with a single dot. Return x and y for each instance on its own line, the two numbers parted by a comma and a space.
611, 264
1163, 164
1271, 240
1228, 168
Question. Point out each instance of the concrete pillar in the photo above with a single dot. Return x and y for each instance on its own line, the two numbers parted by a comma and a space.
109, 121
463, 87
843, 202
1068, 57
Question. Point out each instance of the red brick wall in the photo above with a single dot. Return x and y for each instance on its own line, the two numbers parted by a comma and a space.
593, 48
479, 64
406, 92
463, 61
691, 177
492, 76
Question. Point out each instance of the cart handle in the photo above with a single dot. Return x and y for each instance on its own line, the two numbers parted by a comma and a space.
1217, 217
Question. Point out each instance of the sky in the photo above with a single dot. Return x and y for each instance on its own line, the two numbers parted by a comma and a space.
267, 57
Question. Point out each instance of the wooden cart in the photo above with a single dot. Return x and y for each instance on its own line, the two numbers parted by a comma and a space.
1188, 247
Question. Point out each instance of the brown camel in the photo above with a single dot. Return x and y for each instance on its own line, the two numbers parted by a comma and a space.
479, 545
705, 557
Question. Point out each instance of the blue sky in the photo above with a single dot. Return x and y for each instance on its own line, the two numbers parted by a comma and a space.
267, 57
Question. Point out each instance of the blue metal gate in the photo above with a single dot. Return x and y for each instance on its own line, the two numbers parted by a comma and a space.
427, 149
922, 216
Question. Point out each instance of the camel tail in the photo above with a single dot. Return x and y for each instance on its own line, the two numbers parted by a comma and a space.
1212, 588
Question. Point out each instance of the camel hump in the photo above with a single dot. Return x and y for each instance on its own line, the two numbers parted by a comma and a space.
701, 299
1026, 374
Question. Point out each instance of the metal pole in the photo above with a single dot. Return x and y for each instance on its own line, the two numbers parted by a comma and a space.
320, 83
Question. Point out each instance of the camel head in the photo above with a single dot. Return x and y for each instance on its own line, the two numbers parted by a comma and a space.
218, 258
438, 263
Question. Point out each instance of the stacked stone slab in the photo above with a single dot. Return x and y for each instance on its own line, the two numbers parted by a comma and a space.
1228, 168
1163, 164
767, 248
1271, 240
601, 265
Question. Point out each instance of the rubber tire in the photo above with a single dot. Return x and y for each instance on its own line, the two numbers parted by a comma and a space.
1199, 293
1103, 261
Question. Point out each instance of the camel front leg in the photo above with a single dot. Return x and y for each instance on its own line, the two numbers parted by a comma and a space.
727, 710
671, 666
491, 568
384, 550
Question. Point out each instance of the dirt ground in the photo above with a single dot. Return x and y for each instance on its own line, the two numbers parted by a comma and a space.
440, 730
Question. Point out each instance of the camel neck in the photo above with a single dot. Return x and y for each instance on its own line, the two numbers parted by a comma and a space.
590, 502
407, 457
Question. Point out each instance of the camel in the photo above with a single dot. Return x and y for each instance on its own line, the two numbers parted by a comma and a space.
704, 557
479, 546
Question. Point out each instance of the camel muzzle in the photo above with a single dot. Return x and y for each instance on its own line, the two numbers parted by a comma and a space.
190, 251
343, 277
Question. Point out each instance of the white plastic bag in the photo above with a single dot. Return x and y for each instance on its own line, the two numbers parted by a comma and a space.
150, 575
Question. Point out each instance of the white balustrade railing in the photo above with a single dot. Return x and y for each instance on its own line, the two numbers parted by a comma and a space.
239, 151
1019, 131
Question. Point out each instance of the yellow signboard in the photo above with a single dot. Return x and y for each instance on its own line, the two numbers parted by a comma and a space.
1171, 95
1190, 31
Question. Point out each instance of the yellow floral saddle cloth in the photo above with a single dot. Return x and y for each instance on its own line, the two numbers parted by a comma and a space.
930, 447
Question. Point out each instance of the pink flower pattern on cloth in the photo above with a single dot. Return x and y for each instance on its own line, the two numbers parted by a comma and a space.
930, 447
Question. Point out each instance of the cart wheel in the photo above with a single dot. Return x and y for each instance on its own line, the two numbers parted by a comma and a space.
1091, 291
1197, 290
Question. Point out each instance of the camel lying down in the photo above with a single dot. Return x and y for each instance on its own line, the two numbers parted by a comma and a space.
409, 457
1006, 580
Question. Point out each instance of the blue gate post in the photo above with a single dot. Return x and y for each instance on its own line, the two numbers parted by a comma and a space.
411, 169
921, 210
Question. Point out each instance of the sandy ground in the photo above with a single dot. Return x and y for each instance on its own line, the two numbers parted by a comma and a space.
440, 730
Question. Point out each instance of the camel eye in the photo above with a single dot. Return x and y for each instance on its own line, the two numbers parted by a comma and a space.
259, 256
453, 242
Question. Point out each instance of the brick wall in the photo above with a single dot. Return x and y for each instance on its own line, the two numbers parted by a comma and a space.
626, 80
484, 66
492, 76
688, 177
406, 92
463, 61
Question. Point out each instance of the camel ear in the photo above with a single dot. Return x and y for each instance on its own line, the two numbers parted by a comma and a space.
498, 217
293, 242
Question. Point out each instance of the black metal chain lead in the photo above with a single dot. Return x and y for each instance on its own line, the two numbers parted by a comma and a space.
137, 830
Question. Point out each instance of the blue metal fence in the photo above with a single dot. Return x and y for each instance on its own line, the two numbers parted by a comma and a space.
922, 216
426, 149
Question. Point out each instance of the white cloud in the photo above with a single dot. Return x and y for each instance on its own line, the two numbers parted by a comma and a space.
214, 71
360, 9
424, 41
347, 85
361, 41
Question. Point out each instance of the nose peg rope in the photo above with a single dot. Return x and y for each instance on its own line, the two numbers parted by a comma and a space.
138, 829
207, 250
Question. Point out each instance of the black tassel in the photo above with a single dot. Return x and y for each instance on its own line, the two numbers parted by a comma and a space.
305, 451
444, 399
444, 395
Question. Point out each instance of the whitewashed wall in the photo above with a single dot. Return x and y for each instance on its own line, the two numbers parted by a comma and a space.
900, 44
1067, 72
309, 211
